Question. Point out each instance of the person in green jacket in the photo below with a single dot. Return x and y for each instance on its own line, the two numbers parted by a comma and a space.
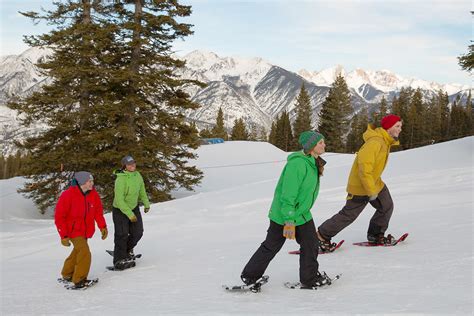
290, 214
128, 191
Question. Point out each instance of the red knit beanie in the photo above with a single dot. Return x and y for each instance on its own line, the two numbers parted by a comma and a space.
389, 120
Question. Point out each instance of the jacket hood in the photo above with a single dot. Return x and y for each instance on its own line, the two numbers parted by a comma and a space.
300, 155
380, 133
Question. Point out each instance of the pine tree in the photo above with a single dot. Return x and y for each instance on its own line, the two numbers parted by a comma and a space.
443, 104
467, 61
303, 115
205, 133
219, 130
239, 131
272, 135
253, 134
359, 125
378, 115
114, 92
284, 134
400, 107
434, 119
470, 113
334, 118
417, 131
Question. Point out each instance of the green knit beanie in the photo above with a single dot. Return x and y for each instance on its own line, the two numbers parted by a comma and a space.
309, 139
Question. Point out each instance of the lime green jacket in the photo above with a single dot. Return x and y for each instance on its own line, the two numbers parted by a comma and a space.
296, 191
129, 190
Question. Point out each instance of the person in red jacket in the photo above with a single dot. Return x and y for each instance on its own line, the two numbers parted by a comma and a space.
78, 209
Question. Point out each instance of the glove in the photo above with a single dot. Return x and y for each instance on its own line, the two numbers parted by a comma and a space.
289, 230
104, 233
373, 197
65, 242
133, 218
147, 209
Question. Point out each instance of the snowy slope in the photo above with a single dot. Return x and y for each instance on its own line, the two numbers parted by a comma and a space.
193, 245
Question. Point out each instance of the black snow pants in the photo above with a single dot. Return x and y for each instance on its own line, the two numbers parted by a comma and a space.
305, 237
127, 234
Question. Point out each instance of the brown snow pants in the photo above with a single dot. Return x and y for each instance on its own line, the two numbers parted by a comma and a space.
78, 263
355, 204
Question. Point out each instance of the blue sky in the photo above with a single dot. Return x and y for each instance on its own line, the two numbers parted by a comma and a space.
420, 39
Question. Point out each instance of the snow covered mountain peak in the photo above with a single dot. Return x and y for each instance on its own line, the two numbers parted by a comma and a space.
214, 68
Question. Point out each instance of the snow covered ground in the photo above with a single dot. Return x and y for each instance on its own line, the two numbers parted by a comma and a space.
198, 242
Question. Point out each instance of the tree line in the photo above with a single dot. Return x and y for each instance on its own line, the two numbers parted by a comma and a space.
424, 121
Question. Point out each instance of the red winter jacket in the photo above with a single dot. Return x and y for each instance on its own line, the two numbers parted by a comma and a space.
76, 212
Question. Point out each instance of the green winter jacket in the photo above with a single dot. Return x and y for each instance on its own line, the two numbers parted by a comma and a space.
129, 189
296, 190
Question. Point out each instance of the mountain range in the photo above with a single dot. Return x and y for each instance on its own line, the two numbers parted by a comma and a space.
248, 88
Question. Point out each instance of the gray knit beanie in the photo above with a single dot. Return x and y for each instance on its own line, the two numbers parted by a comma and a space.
82, 177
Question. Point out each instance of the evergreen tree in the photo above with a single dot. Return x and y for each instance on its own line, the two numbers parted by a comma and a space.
219, 129
114, 92
205, 133
359, 125
272, 135
400, 107
417, 131
335, 115
378, 115
467, 61
443, 104
303, 115
470, 113
284, 135
434, 119
253, 135
239, 131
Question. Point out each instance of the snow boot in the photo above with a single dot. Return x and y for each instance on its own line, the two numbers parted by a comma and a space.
124, 264
325, 244
248, 281
380, 239
320, 280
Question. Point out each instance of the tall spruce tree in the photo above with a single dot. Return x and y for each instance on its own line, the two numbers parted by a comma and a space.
443, 104
434, 119
358, 127
303, 115
417, 131
467, 61
284, 134
334, 118
400, 107
382, 111
239, 131
114, 92
272, 135
219, 129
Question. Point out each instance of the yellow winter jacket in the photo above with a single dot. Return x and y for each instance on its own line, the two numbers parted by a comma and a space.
370, 161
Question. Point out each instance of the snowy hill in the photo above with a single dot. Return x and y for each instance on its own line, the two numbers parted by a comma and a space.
193, 245
248, 88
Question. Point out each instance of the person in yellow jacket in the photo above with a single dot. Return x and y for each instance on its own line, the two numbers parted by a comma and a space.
365, 186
